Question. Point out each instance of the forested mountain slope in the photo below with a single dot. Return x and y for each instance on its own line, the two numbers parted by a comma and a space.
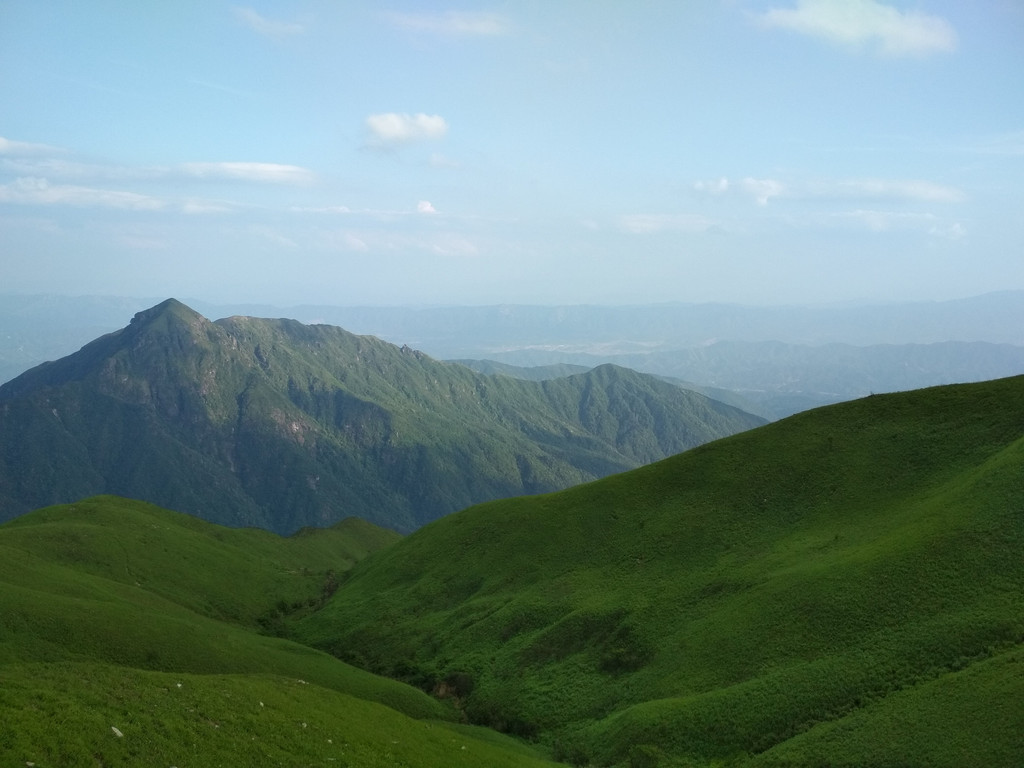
280, 425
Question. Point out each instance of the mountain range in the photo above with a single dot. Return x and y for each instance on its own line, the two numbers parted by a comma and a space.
843, 587
281, 425
775, 360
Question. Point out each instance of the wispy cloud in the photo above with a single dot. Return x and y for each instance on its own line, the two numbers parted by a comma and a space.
889, 189
716, 187
21, 148
448, 244
271, 173
869, 23
882, 221
390, 129
193, 206
38, 191
452, 23
39, 165
379, 214
264, 26
271, 236
263, 173
763, 190
337, 209
648, 223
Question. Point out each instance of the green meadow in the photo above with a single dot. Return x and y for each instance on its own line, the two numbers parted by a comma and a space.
115, 614
844, 587
841, 588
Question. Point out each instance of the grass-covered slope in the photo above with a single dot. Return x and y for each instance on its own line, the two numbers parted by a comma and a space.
844, 587
276, 424
118, 615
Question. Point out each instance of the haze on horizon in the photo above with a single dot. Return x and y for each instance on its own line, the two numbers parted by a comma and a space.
308, 151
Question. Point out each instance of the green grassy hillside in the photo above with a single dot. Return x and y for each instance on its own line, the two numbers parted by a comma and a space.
119, 615
844, 587
271, 423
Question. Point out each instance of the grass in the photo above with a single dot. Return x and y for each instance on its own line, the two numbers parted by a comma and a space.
841, 588
118, 614
721, 604
66, 714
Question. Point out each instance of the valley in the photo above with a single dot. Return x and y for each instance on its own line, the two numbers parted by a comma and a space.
782, 596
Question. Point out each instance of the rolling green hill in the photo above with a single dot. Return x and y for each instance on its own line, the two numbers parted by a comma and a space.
130, 635
841, 588
271, 423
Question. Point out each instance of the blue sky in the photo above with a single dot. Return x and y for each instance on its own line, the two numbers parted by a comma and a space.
751, 151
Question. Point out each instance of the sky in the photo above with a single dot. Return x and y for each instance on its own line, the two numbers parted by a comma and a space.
533, 152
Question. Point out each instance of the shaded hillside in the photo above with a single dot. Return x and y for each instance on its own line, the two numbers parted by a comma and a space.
541, 372
843, 587
280, 425
131, 635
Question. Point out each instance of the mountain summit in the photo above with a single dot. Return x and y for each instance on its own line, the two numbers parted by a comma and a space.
272, 423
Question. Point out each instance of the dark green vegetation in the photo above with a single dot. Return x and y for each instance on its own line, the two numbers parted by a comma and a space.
280, 425
842, 588
118, 615
541, 372
536, 373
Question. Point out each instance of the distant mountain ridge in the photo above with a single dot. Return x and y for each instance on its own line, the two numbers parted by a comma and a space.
777, 360
776, 380
276, 424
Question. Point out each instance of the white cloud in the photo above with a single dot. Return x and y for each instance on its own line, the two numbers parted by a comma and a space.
898, 189
272, 236
354, 243
204, 206
50, 166
38, 191
866, 22
9, 147
885, 221
903, 221
452, 23
424, 206
954, 231
647, 223
392, 128
714, 187
762, 189
265, 26
273, 173
339, 209
382, 241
